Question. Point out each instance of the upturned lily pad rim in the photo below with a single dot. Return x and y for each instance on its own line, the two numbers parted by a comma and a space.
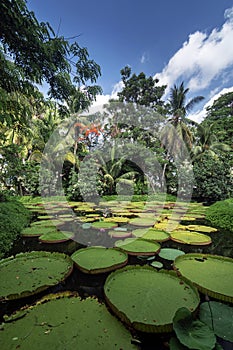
103, 225
33, 255
142, 326
34, 231
80, 312
145, 234
202, 228
62, 236
199, 257
144, 222
126, 243
180, 236
98, 270
120, 234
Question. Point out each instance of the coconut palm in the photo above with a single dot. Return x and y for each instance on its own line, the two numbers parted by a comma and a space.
179, 109
176, 136
207, 143
114, 170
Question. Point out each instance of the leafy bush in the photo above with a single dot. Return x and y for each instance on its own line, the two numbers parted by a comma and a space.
220, 214
13, 218
213, 179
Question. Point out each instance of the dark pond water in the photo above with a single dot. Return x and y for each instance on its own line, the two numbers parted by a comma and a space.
92, 285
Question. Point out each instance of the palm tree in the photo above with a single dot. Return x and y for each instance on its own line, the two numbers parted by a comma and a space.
207, 143
114, 171
176, 133
179, 109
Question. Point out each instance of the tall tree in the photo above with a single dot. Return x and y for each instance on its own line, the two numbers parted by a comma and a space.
208, 143
31, 53
141, 89
179, 109
220, 115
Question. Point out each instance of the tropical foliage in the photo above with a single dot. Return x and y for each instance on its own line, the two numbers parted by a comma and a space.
141, 118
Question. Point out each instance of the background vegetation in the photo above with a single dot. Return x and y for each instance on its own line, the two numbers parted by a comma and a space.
32, 54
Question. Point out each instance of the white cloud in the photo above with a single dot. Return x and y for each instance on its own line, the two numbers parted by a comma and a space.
117, 88
202, 58
144, 58
101, 100
201, 114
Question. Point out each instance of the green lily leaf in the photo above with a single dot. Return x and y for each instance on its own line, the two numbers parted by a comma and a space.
220, 317
192, 333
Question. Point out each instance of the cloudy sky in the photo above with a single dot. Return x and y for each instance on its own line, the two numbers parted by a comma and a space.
174, 40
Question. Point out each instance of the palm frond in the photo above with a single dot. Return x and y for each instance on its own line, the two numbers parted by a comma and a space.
193, 102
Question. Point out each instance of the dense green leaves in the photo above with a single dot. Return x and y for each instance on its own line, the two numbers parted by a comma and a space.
140, 89
213, 179
220, 214
13, 218
220, 114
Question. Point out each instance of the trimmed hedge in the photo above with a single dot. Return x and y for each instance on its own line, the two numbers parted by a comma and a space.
220, 214
13, 218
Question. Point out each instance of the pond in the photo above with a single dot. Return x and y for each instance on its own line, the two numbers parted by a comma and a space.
85, 234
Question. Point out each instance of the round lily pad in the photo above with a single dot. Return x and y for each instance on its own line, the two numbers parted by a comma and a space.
119, 234
190, 237
117, 219
210, 273
56, 237
99, 259
142, 221
147, 299
103, 224
170, 253
65, 322
137, 246
36, 231
156, 264
44, 217
86, 226
44, 223
30, 273
201, 228
151, 234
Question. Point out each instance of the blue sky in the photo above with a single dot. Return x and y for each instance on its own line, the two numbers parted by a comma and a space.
176, 41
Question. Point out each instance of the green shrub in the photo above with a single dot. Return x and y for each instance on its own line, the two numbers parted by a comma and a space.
220, 214
13, 218
213, 180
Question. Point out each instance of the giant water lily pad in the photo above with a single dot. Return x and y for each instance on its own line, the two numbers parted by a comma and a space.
30, 273
99, 259
151, 234
66, 323
146, 221
46, 223
137, 246
190, 237
104, 225
201, 228
36, 231
119, 233
56, 237
210, 273
117, 219
147, 299
170, 253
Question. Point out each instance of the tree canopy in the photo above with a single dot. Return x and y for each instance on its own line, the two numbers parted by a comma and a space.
31, 54
141, 89
220, 114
